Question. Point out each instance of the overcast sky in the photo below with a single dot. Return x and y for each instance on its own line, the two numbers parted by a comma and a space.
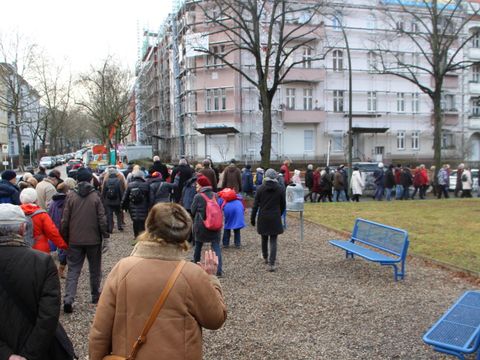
84, 32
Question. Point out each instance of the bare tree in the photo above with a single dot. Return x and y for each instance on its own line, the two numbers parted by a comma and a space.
436, 39
17, 97
107, 94
272, 32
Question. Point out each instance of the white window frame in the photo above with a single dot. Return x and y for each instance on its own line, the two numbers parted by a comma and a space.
400, 102
337, 60
307, 57
338, 100
401, 140
372, 61
290, 98
216, 100
476, 39
308, 141
415, 103
307, 99
372, 101
475, 106
476, 73
415, 140
371, 22
337, 142
414, 27
337, 21
448, 141
212, 61
449, 101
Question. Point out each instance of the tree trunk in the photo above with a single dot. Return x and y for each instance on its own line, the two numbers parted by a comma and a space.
267, 132
437, 131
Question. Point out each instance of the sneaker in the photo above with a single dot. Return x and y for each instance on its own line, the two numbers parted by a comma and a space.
67, 308
272, 268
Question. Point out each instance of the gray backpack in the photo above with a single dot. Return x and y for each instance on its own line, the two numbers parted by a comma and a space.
28, 236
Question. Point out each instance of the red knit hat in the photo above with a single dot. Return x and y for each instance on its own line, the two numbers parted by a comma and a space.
203, 181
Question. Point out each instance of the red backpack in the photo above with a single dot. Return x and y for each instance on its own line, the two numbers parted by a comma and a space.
213, 214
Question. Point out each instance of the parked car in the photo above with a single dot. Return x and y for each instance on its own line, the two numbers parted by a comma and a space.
453, 180
71, 163
48, 162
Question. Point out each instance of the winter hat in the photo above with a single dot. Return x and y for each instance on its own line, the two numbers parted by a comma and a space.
203, 181
28, 196
11, 214
138, 174
271, 175
167, 222
156, 174
84, 174
380, 165
9, 175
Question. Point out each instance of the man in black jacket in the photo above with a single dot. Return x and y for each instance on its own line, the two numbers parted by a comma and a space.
158, 166
186, 172
136, 200
29, 292
309, 182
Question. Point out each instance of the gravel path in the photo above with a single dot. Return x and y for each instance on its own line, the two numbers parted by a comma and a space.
318, 305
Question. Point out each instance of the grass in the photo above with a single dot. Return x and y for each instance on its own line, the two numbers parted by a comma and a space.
444, 230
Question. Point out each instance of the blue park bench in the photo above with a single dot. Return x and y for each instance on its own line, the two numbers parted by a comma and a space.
457, 332
378, 243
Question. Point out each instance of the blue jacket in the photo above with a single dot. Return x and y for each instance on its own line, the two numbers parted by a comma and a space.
9, 193
247, 181
233, 214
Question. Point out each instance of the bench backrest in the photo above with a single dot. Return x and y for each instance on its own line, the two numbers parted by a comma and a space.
383, 237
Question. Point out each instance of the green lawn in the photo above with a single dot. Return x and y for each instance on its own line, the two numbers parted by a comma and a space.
443, 230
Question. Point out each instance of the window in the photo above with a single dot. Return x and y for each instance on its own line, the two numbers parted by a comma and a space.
216, 99
415, 103
400, 25
413, 27
290, 98
337, 60
400, 57
338, 100
415, 62
476, 73
307, 57
211, 59
371, 22
307, 99
400, 102
308, 140
337, 142
476, 40
337, 21
372, 61
372, 101
475, 104
449, 102
447, 141
416, 140
400, 140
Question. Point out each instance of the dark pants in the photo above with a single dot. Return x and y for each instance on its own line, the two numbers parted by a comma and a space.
379, 191
110, 211
197, 254
442, 189
458, 188
356, 197
309, 195
466, 193
423, 191
272, 239
236, 237
324, 195
406, 192
416, 189
75, 259
138, 227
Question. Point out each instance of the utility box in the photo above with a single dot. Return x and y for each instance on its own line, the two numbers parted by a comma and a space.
295, 200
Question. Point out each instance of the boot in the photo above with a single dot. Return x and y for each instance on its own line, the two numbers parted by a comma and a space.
61, 271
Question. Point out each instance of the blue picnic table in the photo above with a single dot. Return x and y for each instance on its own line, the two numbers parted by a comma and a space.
457, 332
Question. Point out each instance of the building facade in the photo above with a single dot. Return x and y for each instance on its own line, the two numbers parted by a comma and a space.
201, 107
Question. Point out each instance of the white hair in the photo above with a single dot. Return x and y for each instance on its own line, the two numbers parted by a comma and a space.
28, 196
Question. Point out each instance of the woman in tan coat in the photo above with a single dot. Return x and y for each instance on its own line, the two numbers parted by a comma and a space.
135, 283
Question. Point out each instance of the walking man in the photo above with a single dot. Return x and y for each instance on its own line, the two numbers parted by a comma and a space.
112, 194
84, 227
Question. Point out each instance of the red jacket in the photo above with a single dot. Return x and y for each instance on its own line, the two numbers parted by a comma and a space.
286, 176
424, 177
43, 229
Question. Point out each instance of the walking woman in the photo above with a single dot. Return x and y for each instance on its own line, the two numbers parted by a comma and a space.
270, 204
357, 184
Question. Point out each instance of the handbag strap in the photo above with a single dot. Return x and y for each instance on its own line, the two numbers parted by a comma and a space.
156, 309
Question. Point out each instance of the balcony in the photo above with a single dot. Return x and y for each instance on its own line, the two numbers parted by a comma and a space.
474, 54
474, 122
303, 116
304, 75
474, 87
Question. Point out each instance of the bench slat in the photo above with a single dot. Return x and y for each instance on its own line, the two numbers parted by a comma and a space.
363, 251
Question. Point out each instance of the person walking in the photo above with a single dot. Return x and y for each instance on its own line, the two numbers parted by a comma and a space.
357, 184
47, 188
326, 185
309, 183
232, 177
84, 228
417, 182
258, 177
209, 173
159, 167
466, 182
112, 194
398, 182
136, 200
135, 283
233, 212
286, 171
379, 177
269, 204
338, 186
459, 183
44, 228
406, 180
160, 190
186, 172
443, 181
30, 295
201, 234
424, 181
389, 182
247, 180
9, 192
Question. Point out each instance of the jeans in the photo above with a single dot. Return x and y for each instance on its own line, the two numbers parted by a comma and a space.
197, 254
406, 193
389, 193
75, 259
273, 248
379, 192
284, 219
62, 256
236, 237
398, 192
339, 195
110, 211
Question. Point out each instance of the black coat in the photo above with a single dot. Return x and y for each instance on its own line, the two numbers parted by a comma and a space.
137, 211
9, 193
161, 191
158, 166
270, 204
32, 280
389, 179
186, 172
112, 182
200, 233
309, 179
406, 178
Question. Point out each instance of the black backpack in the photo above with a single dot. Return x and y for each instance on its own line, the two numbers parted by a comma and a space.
112, 190
136, 196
